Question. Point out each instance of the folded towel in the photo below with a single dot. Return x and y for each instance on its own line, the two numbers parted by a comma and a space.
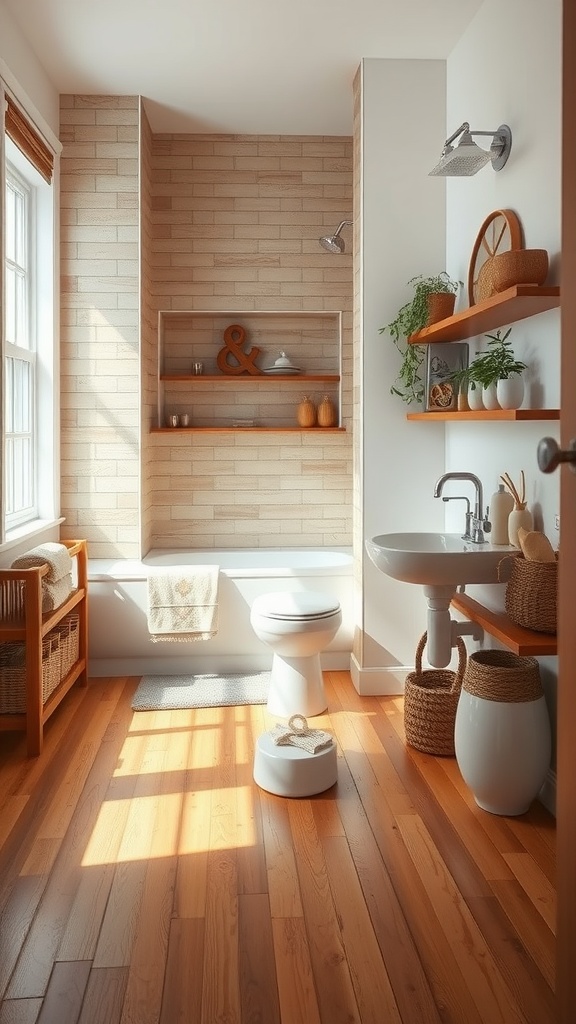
298, 734
183, 603
55, 556
54, 594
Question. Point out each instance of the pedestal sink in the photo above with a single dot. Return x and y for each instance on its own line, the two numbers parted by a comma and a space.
439, 562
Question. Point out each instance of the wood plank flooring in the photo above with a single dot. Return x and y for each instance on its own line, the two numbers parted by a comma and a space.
145, 879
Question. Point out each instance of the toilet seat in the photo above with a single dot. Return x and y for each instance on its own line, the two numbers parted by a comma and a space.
300, 606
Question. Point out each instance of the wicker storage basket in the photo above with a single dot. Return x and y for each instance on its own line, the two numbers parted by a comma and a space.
531, 593
519, 266
69, 632
430, 702
502, 676
13, 673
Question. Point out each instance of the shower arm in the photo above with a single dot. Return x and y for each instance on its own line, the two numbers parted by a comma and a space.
465, 127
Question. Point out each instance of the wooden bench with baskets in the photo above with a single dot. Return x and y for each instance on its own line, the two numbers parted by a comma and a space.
41, 655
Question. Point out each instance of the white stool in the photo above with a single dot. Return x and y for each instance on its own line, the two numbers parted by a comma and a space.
291, 771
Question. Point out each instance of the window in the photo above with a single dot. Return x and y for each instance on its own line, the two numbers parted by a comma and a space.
29, 386
20, 354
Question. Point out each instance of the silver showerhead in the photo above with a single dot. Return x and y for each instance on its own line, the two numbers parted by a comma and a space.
334, 243
467, 158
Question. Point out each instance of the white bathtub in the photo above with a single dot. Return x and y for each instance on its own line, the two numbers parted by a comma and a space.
119, 641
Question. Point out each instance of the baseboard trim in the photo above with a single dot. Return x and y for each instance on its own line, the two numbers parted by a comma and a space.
378, 682
176, 664
547, 795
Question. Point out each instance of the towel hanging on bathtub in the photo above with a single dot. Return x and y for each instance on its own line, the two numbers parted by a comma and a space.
183, 604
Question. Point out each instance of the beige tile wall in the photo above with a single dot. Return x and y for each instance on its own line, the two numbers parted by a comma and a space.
237, 222
223, 223
100, 322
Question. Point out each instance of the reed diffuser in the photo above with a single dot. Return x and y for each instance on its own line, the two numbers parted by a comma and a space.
520, 516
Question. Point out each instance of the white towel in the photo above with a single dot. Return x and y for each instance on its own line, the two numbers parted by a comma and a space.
183, 603
298, 734
54, 594
54, 555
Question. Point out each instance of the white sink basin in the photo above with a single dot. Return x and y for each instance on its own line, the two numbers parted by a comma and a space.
436, 559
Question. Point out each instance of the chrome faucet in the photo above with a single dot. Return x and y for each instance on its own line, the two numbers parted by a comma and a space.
479, 521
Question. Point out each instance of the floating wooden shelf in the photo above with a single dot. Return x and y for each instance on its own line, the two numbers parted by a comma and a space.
520, 641
247, 430
508, 307
247, 378
496, 414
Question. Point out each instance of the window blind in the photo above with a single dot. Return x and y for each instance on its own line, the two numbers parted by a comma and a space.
29, 142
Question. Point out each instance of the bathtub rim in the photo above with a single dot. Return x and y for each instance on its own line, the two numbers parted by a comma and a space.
133, 570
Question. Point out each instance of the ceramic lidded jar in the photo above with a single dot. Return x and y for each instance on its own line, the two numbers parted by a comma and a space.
306, 413
326, 412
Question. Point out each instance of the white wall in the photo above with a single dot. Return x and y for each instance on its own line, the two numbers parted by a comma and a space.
403, 234
24, 65
507, 68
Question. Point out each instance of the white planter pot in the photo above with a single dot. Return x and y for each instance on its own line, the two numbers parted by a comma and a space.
475, 399
510, 392
489, 397
503, 751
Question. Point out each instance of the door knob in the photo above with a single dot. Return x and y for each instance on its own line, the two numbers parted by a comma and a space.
550, 455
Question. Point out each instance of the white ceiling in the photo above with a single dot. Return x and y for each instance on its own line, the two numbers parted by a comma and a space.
234, 66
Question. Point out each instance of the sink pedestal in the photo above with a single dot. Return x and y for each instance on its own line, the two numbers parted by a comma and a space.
442, 629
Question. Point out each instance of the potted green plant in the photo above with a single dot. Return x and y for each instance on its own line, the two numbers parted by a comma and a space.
412, 317
495, 373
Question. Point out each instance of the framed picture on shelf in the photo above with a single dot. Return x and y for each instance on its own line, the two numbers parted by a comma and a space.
441, 362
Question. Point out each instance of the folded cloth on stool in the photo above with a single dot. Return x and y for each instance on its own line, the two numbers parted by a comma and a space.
298, 734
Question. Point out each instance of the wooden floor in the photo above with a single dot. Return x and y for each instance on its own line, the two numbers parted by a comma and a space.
144, 878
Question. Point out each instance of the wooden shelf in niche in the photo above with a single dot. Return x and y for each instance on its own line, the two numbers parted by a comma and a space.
247, 430
249, 378
495, 414
515, 638
508, 307
311, 338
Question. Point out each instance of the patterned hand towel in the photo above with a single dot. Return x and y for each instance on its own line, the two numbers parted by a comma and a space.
183, 604
298, 734
54, 555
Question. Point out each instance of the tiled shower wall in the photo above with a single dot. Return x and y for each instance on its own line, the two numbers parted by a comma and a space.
100, 323
234, 225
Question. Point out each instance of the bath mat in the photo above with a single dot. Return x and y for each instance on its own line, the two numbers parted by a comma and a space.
210, 690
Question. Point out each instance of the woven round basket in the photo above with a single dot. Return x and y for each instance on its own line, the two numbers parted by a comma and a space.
430, 702
531, 593
440, 306
502, 676
519, 266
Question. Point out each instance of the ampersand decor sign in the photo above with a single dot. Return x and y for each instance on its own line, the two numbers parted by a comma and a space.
235, 336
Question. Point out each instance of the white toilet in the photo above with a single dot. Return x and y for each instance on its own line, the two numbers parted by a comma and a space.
297, 626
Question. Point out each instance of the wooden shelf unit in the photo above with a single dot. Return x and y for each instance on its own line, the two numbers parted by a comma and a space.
26, 624
498, 624
253, 378
508, 307
253, 430
495, 414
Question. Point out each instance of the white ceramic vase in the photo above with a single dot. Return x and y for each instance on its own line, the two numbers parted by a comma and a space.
490, 398
519, 517
502, 750
475, 398
510, 392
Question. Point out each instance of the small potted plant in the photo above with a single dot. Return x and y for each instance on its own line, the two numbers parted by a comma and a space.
420, 312
494, 378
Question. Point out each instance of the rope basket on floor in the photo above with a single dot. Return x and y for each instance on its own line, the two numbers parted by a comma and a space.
531, 593
430, 702
502, 676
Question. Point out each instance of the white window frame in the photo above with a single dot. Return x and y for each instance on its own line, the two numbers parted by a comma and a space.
47, 517
22, 350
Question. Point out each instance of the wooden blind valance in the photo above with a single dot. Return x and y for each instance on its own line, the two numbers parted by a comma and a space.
29, 142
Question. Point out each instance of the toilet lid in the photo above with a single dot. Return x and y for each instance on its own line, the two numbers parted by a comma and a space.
297, 606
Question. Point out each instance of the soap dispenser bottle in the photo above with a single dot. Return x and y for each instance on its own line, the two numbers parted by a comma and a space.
501, 505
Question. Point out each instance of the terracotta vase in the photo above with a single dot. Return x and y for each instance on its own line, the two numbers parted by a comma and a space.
326, 413
306, 413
